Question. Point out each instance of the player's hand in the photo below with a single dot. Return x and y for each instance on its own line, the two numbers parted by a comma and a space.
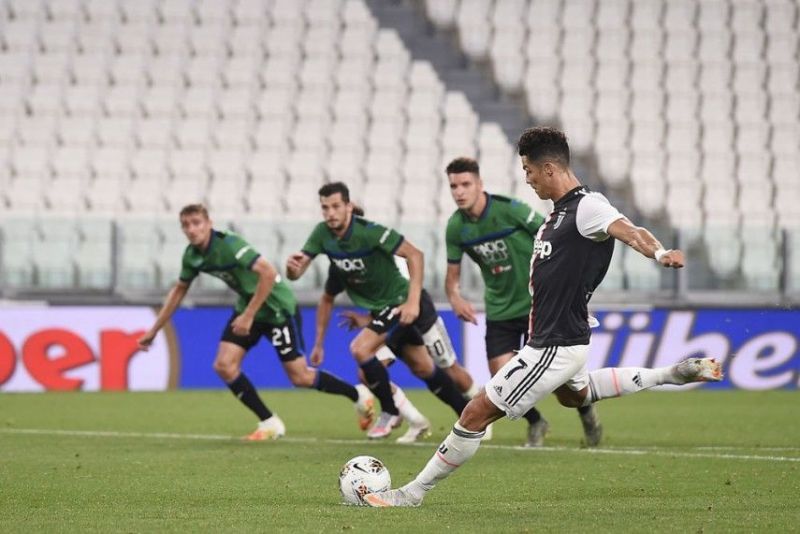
464, 311
673, 258
353, 320
241, 324
409, 311
295, 263
146, 340
317, 355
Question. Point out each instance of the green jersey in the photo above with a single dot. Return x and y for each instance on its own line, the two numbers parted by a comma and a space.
363, 260
230, 258
500, 241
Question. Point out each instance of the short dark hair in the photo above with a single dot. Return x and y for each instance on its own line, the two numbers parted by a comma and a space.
358, 211
542, 142
463, 164
333, 188
191, 209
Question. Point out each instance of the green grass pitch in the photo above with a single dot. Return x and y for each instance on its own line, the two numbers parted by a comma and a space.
693, 461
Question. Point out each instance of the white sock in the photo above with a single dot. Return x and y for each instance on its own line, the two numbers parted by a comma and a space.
406, 408
472, 391
458, 447
613, 382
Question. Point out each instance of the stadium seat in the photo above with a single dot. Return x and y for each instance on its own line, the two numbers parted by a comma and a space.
643, 274
18, 232
38, 131
117, 131
140, 242
231, 134
53, 254
193, 133
93, 255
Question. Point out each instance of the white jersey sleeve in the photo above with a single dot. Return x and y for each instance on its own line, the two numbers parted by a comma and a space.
595, 214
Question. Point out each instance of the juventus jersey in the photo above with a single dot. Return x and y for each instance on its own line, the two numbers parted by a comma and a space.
571, 255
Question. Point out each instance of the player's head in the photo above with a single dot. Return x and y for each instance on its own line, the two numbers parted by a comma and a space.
334, 199
466, 185
545, 158
196, 224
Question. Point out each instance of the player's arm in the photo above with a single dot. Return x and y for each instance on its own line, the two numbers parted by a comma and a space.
171, 303
452, 283
324, 311
267, 274
642, 241
409, 310
297, 264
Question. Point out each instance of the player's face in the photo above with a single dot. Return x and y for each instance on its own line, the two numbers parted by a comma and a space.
536, 177
196, 228
336, 212
466, 189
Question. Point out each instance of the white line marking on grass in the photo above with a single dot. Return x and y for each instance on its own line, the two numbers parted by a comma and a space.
651, 451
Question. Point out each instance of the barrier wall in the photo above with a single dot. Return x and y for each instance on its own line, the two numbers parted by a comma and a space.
94, 348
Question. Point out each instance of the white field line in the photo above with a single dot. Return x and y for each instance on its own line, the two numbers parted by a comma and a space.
626, 451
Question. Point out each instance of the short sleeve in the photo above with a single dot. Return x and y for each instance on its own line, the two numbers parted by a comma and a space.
454, 251
526, 217
188, 273
333, 285
313, 244
595, 214
384, 238
244, 254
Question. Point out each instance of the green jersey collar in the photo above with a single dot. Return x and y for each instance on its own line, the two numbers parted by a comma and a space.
483, 213
205, 251
348, 232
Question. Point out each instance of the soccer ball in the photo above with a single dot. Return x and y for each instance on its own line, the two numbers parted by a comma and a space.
362, 475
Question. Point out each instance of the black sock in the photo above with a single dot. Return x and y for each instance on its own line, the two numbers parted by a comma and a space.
329, 383
533, 416
245, 392
443, 387
378, 383
583, 410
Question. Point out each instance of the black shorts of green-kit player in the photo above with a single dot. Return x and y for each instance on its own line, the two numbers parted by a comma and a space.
286, 337
398, 336
505, 336
387, 322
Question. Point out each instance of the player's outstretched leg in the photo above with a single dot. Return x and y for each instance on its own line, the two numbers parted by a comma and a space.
457, 448
613, 382
418, 425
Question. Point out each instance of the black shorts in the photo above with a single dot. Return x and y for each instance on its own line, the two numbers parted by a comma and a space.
386, 322
286, 338
506, 336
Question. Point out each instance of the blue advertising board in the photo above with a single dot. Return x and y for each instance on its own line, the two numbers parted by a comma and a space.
758, 347
198, 333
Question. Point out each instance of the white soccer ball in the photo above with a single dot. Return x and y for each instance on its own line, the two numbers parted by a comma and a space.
362, 475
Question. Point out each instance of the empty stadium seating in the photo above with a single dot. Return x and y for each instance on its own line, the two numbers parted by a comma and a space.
121, 111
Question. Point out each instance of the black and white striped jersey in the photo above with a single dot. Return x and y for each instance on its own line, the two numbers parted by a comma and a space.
571, 255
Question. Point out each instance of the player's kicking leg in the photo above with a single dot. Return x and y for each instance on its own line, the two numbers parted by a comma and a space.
529, 377
612, 382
